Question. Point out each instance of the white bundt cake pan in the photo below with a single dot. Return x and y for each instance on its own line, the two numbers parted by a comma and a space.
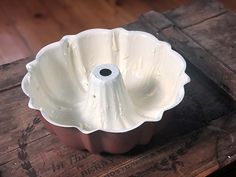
108, 80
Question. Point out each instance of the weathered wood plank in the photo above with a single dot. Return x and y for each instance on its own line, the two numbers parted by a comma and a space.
11, 74
156, 159
200, 44
14, 115
189, 167
139, 26
217, 36
207, 63
195, 12
157, 20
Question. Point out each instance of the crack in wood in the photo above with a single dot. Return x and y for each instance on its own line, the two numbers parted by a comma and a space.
209, 18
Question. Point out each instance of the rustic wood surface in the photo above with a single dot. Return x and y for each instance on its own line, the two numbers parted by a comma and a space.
193, 139
214, 35
11, 74
208, 43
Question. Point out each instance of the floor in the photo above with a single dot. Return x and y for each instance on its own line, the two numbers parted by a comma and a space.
28, 25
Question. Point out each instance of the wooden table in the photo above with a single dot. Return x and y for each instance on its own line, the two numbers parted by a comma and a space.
196, 140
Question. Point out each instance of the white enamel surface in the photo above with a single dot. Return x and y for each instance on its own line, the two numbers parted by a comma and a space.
60, 84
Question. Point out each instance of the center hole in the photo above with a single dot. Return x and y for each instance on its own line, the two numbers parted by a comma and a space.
105, 72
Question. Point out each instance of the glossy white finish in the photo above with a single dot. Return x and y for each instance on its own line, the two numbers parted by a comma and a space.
148, 78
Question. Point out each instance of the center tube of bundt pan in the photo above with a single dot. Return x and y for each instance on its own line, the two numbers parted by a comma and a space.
107, 97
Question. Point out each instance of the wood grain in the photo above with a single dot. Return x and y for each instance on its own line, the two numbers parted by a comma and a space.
205, 61
12, 45
33, 22
218, 37
172, 159
12, 74
64, 17
196, 12
209, 45
14, 116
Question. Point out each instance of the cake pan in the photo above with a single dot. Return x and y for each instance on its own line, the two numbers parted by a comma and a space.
105, 90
